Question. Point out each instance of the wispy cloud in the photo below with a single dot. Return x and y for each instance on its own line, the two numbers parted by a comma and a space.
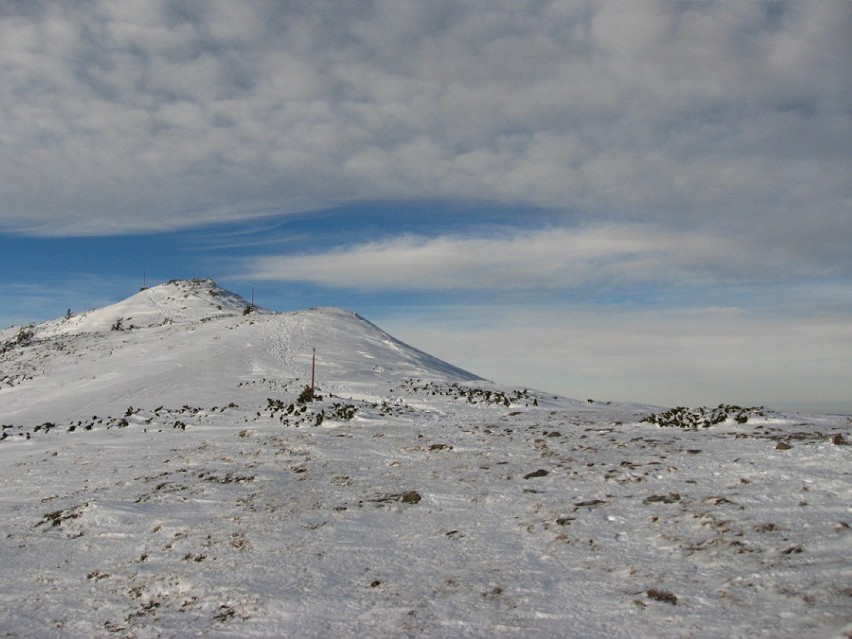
548, 259
23, 303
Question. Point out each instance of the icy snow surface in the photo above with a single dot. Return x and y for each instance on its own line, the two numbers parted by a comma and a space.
161, 477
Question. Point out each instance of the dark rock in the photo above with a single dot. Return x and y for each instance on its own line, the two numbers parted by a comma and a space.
665, 499
590, 503
662, 595
410, 497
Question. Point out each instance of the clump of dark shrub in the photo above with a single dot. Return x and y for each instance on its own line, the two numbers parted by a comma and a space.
23, 338
343, 411
308, 395
702, 417
472, 394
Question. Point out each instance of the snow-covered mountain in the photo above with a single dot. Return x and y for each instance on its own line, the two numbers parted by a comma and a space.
192, 342
164, 472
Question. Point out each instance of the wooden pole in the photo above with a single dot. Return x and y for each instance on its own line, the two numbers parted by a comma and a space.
313, 369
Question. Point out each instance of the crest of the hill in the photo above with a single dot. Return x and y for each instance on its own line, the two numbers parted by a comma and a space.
191, 342
176, 301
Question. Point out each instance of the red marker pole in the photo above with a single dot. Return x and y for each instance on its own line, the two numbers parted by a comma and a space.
313, 369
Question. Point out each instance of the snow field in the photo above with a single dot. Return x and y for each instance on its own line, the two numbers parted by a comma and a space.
167, 481
224, 530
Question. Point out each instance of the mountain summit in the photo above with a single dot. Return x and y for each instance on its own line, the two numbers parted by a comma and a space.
192, 342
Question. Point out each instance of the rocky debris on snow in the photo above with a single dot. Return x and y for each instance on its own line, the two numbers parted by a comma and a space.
664, 499
472, 394
407, 497
661, 595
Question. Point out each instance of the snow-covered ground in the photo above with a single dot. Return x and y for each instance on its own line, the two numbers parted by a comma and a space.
162, 477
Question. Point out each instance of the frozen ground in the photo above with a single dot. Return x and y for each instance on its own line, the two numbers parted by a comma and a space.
165, 480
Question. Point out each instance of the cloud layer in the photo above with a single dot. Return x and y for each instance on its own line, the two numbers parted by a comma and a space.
691, 357
140, 116
557, 258
692, 156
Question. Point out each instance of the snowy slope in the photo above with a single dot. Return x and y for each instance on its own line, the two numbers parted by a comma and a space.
189, 342
168, 480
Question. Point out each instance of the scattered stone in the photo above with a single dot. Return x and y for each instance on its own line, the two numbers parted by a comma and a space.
57, 517
226, 613
541, 472
666, 499
838, 440
410, 497
589, 504
782, 446
661, 595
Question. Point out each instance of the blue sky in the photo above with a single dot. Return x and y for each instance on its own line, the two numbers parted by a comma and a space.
626, 201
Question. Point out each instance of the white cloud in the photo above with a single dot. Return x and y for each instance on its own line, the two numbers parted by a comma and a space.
685, 143
154, 115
